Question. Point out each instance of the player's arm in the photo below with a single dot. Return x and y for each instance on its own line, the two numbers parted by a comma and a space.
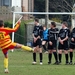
33, 35
67, 35
35, 38
59, 38
41, 32
65, 38
9, 30
33, 32
71, 35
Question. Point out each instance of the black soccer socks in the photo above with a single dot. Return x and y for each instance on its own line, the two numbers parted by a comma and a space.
34, 57
41, 57
71, 56
49, 57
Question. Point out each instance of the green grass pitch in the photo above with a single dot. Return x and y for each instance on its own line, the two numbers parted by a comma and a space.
20, 63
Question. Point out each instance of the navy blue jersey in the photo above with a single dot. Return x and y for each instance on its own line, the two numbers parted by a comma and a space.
63, 33
38, 31
52, 34
45, 34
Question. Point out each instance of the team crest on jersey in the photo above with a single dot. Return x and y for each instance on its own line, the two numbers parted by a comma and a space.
65, 30
37, 27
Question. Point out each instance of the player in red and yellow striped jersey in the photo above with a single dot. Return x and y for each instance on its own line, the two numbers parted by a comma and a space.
6, 43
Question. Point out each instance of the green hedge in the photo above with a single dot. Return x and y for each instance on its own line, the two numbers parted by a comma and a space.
20, 34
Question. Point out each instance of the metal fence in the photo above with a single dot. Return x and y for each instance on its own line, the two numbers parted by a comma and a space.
29, 34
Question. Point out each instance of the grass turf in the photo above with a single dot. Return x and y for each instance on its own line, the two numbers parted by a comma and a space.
20, 63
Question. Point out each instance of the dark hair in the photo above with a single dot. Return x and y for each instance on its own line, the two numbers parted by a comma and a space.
53, 24
1, 23
36, 19
65, 23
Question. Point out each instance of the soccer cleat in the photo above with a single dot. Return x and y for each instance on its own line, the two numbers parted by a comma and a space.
41, 63
6, 71
49, 63
46, 52
70, 63
34, 63
67, 63
56, 63
59, 62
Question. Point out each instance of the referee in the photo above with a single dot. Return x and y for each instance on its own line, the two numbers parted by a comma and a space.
37, 43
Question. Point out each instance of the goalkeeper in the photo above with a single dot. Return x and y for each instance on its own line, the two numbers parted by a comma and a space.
6, 43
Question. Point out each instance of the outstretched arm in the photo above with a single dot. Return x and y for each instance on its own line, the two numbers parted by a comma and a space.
9, 30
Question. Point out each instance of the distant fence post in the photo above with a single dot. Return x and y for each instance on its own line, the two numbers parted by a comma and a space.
25, 34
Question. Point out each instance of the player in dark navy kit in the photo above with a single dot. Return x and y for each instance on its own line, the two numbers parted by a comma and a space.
63, 37
45, 38
52, 42
72, 44
37, 43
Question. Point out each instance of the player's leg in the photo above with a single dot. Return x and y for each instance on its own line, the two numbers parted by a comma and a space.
60, 48
40, 55
40, 50
5, 52
49, 53
49, 56
35, 47
55, 52
55, 56
66, 48
71, 52
34, 55
66, 56
25, 47
59, 55
44, 46
71, 56
17, 45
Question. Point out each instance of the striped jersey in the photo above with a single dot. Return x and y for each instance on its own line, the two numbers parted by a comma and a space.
5, 40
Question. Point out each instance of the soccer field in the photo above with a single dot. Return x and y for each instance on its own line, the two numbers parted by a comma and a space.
20, 63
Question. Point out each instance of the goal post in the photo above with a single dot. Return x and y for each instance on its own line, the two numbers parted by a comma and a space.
43, 13
50, 13
14, 25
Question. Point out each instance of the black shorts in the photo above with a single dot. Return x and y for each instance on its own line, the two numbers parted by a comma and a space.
53, 46
72, 46
65, 46
45, 40
37, 43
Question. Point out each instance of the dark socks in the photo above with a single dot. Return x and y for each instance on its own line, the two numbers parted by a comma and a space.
66, 56
55, 56
34, 57
71, 56
40, 57
60, 56
49, 57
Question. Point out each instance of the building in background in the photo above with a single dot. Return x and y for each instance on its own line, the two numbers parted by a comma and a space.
6, 6
10, 3
5, 3
27, 6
